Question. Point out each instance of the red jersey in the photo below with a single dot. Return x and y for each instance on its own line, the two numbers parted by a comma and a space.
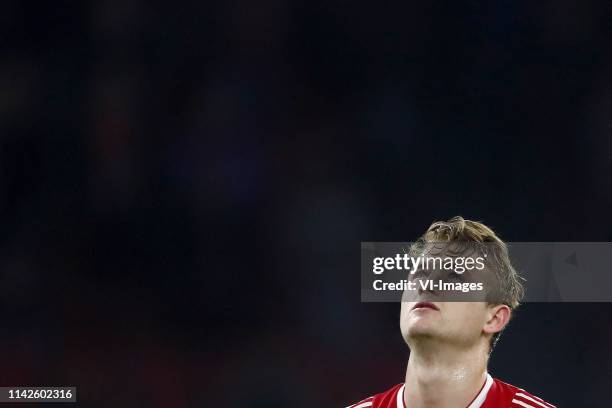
493, 394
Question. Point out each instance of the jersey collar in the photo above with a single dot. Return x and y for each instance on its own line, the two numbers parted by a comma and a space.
477, 403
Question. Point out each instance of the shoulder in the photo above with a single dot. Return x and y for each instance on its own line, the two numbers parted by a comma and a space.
517, 397
385, 399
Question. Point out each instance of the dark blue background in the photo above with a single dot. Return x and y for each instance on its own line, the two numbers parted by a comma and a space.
184, 187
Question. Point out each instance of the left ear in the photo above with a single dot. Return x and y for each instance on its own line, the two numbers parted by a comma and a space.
498, 317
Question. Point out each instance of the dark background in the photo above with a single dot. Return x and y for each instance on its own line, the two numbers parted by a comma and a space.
184, 187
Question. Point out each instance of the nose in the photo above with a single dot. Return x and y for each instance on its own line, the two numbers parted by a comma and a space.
426, 286
426, 292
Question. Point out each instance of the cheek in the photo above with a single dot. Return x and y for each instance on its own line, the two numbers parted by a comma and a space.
470, 315
464, 315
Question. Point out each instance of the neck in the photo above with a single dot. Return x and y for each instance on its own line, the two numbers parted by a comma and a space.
443, 376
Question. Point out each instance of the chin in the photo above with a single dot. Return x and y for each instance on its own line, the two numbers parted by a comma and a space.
419, 328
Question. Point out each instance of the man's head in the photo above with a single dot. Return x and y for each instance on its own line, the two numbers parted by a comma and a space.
470, 323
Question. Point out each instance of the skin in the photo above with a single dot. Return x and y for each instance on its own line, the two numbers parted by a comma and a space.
449, 350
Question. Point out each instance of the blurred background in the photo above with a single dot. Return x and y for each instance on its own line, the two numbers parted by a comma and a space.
184, 188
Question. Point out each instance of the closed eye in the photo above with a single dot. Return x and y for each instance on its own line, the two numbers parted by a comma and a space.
453, 276
420, 274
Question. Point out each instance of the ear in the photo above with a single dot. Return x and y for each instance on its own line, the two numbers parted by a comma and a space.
497, 318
